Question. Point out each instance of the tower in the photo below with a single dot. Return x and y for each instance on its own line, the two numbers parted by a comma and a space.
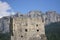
28, 28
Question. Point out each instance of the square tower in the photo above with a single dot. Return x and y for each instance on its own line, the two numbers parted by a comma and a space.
26, 28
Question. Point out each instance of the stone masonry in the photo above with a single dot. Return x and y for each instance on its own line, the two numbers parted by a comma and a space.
27, 28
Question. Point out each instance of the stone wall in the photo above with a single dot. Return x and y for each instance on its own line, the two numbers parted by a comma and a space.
27, 28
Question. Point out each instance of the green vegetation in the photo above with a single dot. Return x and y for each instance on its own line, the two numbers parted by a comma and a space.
5, 36
53, 31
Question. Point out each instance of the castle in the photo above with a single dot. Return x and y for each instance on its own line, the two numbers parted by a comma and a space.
28, 26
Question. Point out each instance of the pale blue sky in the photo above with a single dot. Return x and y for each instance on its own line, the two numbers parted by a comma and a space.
27, 5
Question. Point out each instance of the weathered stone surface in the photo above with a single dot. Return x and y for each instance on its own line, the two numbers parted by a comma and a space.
4, 24
51, 16
28, 28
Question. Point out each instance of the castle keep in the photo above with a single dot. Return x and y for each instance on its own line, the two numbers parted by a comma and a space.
28, 28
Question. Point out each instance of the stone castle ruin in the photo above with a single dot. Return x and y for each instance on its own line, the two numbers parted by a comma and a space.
28, 27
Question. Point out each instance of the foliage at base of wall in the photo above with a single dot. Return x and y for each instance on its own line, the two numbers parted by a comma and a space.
53, 31
4, 36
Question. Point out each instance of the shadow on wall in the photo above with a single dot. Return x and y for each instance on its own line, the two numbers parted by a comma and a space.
52, 31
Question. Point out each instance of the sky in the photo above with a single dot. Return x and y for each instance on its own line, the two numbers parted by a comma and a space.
8, 7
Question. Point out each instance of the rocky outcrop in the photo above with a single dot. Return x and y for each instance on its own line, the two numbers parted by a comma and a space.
4, 24
51, 17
